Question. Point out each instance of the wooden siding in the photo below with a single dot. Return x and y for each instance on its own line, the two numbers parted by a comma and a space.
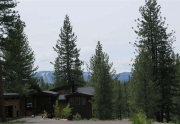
44, 103
84, 110
17, 106
89, 105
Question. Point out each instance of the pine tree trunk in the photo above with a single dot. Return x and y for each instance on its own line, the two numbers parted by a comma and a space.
162, 111
2, 107
162, 106
168, 117
120, 113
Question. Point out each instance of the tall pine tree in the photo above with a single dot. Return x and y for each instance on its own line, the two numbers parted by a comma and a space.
117, 99
19, 69
125, 98
101, 80
6, 19
153, 38
176, 92
67, 66
57, 78
143, 92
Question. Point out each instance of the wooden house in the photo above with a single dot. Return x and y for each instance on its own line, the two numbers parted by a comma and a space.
78, 98
16, 104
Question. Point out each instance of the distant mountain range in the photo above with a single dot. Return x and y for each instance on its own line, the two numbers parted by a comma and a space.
48, 76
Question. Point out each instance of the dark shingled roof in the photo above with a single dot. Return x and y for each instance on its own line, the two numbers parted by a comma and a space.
86, 90
61, 87
46, 92
82, 91
11, 95
78, 94
50, 92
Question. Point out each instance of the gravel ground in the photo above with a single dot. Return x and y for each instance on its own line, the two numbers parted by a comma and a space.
39, 120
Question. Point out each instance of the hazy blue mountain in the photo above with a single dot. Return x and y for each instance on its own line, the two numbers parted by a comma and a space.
48, 76
124, 76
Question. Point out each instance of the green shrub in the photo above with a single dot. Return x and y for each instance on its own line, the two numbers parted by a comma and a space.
66, 112
178, 122
77, 117
140, 118
172, 123
57, 110
175, 119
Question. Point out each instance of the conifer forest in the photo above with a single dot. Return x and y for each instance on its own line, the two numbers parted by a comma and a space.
153, 88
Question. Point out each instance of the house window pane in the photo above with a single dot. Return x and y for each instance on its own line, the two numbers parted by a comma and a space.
20, 105
71, 101
77, 101
83, 101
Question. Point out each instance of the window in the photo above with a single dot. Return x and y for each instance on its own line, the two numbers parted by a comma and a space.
83, 100
77, 101
20, 105
71, 101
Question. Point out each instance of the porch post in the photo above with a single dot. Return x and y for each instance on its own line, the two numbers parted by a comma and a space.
25, 105
34, 105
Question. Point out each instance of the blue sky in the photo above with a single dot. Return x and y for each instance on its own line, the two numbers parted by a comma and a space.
107, 21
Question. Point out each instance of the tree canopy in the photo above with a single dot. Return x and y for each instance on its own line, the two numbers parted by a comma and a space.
67, 66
